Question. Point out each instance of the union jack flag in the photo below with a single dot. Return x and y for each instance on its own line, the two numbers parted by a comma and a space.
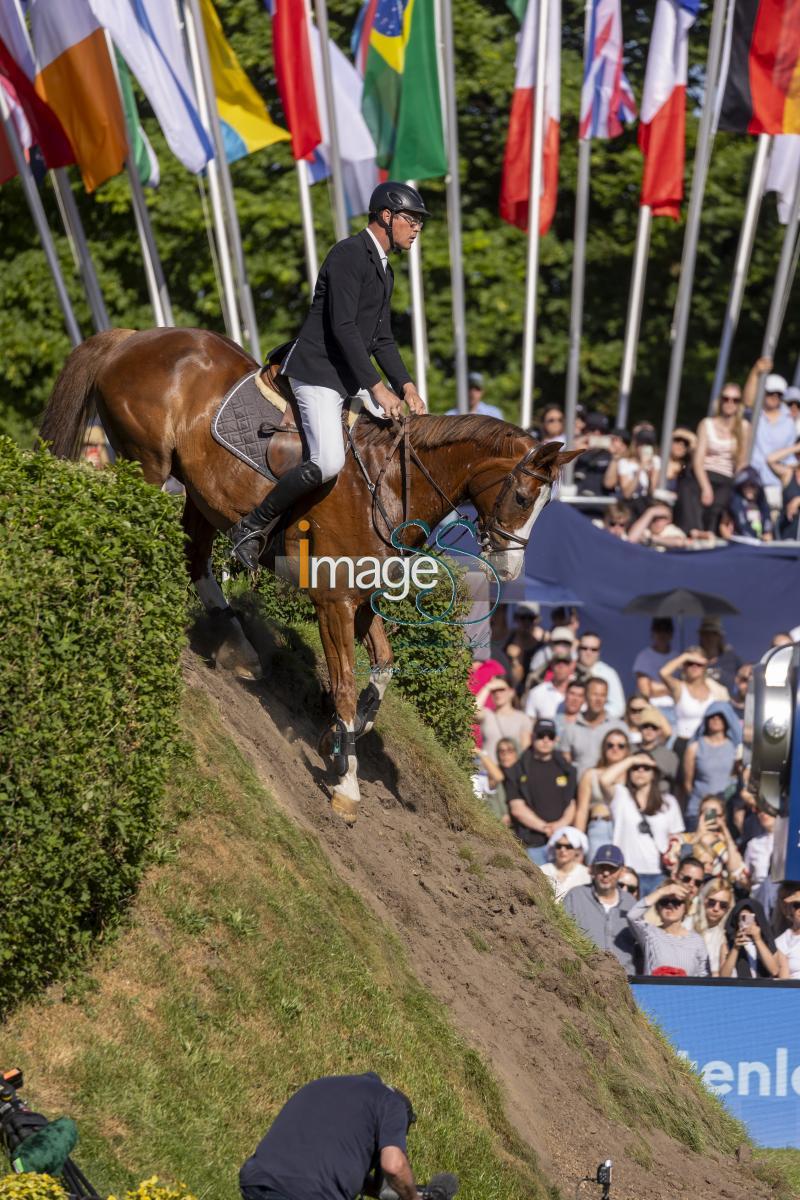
606, 96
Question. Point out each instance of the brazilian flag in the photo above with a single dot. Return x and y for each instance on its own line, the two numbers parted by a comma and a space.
401, 102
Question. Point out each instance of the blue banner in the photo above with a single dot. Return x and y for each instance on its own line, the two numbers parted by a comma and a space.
743, 1039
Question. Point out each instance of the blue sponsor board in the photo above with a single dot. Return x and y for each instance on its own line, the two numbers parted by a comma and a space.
743, 1038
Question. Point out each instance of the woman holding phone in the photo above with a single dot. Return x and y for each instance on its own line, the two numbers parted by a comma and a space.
752, 953
789, 942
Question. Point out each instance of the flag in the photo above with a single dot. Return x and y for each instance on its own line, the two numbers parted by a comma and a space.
761, 86
246, 124
783, 174
291, 42
74, 75
518, 8
147, 34
662, 124
359, 41
46, 129
606, 96
8, 167
402, 103
516, 182
144, 156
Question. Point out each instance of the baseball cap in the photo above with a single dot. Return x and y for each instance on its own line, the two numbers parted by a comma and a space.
775, 383
610, 855
792, 395
544, 726
562, 633
475, 379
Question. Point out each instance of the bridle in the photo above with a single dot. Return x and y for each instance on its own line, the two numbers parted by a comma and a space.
488, 527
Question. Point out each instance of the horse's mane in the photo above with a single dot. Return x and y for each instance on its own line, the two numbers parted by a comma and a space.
428, 433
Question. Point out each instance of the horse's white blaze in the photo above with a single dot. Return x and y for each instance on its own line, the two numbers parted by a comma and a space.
509, 563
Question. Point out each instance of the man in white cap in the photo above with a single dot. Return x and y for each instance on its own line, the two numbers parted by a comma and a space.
477, 405
776, 428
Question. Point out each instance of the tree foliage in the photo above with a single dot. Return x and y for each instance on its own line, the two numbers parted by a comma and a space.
31, 330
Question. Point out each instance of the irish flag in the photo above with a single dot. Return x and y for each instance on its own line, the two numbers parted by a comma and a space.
74, 75
515, 187
662, 124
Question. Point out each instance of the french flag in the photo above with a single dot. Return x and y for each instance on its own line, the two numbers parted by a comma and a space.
606, 96
662, 128
515, 187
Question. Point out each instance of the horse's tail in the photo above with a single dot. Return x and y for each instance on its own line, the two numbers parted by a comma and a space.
71, 401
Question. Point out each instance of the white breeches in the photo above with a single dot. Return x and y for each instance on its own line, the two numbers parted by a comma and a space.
321, 414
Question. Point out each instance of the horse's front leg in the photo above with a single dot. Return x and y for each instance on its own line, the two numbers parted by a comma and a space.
370, 629
337, 627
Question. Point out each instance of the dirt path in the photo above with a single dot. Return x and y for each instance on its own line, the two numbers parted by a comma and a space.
476, 939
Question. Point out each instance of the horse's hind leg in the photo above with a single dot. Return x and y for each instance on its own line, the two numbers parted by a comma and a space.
370, 628
234, 652
336, 625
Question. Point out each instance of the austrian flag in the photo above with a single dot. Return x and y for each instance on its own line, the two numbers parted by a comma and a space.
515, 188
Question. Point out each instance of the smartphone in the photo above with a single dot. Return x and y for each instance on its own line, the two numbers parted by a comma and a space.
746, 919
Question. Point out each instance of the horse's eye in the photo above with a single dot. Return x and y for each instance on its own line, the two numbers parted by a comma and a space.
523, 500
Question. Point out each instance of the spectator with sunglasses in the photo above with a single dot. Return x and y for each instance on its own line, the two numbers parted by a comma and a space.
617, 520
670, 946
692, 694
590, 666
581, 741
566, 854
540, 790
601, 907
629, 882
592, 813
712, 844
644, 818
713, 906
788, 944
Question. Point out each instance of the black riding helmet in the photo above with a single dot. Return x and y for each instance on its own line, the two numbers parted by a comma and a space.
397, 197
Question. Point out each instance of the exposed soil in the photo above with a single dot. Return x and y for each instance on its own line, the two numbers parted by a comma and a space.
475, 936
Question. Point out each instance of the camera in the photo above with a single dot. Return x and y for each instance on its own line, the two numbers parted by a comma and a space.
604, 1178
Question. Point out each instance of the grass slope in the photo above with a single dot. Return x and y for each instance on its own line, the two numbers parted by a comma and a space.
247, 969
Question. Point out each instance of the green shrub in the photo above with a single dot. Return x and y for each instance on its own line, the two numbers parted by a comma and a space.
92, 595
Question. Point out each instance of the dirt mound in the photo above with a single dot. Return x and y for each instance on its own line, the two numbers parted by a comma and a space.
584, 1077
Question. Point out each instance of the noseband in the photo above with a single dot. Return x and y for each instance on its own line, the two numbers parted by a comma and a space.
491, 526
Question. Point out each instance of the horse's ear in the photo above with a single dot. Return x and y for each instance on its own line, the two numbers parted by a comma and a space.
566, 457
547, 453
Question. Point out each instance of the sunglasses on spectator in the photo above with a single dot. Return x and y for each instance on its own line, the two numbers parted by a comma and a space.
616, 524
793, 904
641, 767
564, 846
731, 396
545, 737
669, 902
694, 662
716, 903
638, 709
689, 879
630, 887
605, 868
649, 725
583, 646
616, 745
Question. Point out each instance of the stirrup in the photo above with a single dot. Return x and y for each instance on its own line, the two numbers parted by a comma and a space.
247, 549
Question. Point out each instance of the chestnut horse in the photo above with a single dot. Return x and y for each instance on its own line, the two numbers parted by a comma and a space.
156, 393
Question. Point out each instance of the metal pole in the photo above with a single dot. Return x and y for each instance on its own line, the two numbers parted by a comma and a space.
418, 338
230, 309
634, 318
341, 223
40, 221
741, 264
537, 155
784, 278
576, 306
705, 137
206, 83
796, 376
153, 271
307, 217
453, 185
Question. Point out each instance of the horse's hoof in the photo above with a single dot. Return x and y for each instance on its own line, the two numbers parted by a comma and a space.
345, 807
241, 662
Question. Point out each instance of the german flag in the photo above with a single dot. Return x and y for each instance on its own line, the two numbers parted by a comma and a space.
762, 88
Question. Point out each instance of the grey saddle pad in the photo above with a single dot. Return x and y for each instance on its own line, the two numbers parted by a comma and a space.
240, 419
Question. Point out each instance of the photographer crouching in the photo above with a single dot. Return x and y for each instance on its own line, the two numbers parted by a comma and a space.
339, 1137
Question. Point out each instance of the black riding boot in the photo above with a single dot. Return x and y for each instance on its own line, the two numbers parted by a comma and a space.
251, 535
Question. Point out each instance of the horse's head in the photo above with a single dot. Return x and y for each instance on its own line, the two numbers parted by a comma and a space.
509, 503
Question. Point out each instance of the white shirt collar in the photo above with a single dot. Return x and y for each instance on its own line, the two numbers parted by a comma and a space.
381, 251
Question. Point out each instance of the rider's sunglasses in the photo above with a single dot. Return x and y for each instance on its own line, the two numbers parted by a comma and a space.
414, 222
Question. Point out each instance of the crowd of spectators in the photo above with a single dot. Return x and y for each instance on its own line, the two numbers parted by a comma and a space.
637, 810
715, 488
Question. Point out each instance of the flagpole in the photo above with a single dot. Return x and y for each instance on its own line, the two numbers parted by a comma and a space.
34, 201
341, 223
784, 278
447, 77
153, 271
307, 217
702, 157
537, 155
633, 320
418, 339
576, 305
206, 83
230, 308
741, 264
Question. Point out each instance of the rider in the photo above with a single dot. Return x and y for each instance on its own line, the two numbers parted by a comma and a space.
348, 322
328, 1137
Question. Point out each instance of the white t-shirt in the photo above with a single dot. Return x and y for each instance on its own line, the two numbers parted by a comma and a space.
577, 877
649, 662
643, 851
628, 467
789, 944
757, 857
543, 701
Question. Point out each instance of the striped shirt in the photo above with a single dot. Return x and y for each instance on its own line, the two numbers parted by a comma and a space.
662, 949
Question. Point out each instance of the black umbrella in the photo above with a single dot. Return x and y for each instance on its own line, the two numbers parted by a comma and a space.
681, 602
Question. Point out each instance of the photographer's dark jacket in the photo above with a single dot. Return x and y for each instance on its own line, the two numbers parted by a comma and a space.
349, 322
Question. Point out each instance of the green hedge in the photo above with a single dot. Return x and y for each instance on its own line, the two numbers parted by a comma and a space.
92, 613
